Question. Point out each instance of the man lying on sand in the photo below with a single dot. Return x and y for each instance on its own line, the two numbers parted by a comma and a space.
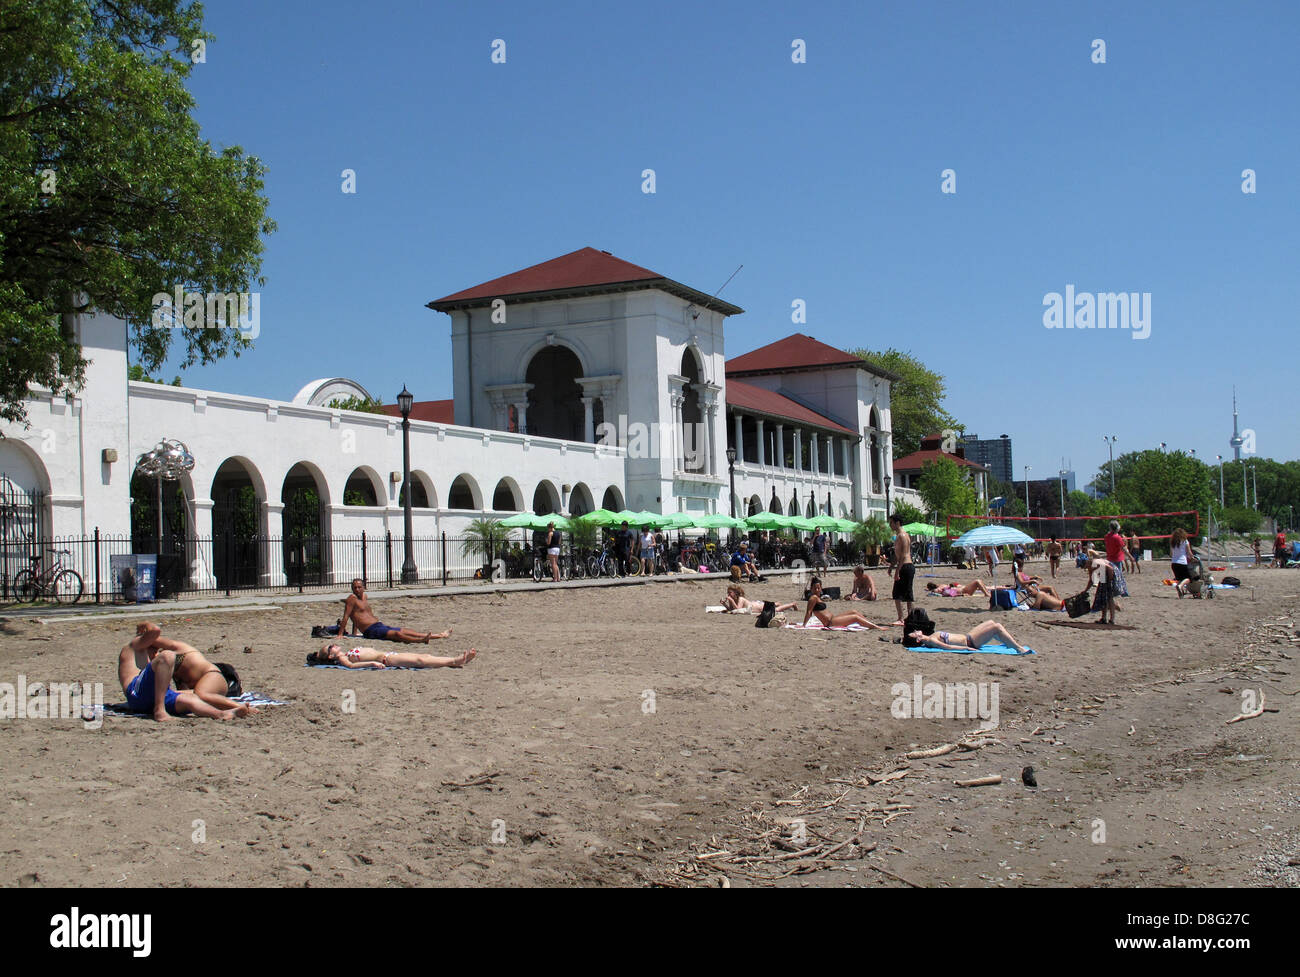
363, 619
147, 665
373, 658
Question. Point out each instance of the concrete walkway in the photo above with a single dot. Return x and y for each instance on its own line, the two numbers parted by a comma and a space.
269, 602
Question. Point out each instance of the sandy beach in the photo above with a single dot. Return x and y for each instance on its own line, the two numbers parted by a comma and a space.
622, 736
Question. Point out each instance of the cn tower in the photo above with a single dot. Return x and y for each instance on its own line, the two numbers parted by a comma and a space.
1236, 440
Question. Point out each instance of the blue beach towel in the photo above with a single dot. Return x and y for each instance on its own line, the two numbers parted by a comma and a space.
988, 649
248, 699
389, 668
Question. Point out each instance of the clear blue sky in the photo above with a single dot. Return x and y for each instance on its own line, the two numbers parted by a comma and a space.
822, 179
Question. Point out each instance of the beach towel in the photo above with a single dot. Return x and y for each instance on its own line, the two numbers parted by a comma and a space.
1223, 586
248, 699
388, 668
716, 609
988, 649
818, 626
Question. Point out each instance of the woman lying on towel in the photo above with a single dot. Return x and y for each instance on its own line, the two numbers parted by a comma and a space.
817, 609
990, 632
372, 658
955, 589
737, 602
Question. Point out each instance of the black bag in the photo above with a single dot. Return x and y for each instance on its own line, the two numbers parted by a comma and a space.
1078, 605
1232, 581
918, 620
234, 688
766, 615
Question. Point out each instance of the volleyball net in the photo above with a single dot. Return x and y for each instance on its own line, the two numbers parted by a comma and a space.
1146, 525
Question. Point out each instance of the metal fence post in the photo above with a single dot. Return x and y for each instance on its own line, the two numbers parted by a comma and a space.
388, 549
364, 575
444, 559
230, 557
96, 564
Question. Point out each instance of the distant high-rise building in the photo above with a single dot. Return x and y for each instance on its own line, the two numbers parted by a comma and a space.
993, 453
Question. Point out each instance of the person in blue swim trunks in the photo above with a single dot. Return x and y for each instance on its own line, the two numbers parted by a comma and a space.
358, 611
146, 672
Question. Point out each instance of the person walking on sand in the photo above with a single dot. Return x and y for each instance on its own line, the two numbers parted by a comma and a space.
334, 654
904, 570
146, 672
1135, 550
1054, 556
358, 611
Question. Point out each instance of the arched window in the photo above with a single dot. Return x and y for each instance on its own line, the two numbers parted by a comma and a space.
555, 400
692, 414
461, 495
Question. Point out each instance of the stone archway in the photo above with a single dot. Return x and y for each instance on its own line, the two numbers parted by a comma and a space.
555, 400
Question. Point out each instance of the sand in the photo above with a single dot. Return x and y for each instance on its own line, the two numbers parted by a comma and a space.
613, 736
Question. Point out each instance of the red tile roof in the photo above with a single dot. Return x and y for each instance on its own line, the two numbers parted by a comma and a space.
797, 352
919, 459
746, 396
438, 411
584, 270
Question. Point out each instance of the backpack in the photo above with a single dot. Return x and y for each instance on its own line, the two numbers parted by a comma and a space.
1232, 581
234, 688
917, 620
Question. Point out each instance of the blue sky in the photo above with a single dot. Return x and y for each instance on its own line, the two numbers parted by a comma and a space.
822, 179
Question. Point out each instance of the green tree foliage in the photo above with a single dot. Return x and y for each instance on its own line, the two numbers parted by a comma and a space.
908, 512
946, 489
136, 372
363, 404
1239, 519
110, 194
915, 399
483, 537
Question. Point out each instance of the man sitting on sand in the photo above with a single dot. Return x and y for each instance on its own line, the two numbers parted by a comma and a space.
363, 619
146, 667
373, 658
742, 559
864, 588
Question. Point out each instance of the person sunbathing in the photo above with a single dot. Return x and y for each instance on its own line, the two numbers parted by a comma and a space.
1039, 598
192, 672
955, 589
145, 671
373, 658
738, 603
864, 588
817, 608
363, 619
980, 635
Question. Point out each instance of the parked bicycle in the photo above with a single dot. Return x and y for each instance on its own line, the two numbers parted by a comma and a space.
59, 582
604, 564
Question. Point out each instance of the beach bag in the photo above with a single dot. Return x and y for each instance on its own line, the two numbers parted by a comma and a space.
234, 688
1078, 605
1231, 582
918, 620
1002, 600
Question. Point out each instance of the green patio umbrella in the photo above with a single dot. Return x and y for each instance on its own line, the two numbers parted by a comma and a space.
682, 520
825, 521
767, 520
846, 525
719, 520
531, 520
802, 524
644, 518
922, 529
602, 517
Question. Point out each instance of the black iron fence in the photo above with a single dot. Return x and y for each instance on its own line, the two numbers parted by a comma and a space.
110, 566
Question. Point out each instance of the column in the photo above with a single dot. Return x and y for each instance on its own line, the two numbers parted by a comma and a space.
521, 415
740, 438
780, 447
710, 412
844, 457
272, 555
813, 461
762, 443
798, 450
588, 420
201, 563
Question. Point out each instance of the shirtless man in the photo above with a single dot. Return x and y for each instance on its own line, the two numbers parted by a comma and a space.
145, 669
864, 588
191, 671
363, 619
1054, 555
1135, 550
1044, 599
904, 571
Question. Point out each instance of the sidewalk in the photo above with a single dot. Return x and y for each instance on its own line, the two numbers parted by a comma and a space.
263, 602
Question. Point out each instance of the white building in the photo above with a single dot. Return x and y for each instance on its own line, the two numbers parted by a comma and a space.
583, 381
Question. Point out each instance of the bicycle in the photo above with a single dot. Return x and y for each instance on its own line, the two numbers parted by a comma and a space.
605, 563
62, 583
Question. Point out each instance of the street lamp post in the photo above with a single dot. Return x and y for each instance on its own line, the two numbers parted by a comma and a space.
1254, 483
1110, 441
888, 481
731, 470
1220, 457
1061, 479
409, 573
1028, 469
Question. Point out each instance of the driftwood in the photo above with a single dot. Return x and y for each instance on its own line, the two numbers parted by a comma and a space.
480, 781
1249, 715
980, 781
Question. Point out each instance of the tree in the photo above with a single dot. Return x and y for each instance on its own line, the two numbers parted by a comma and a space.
136, 372
915, 399
946, 490
907, 512
363, 404
483, 537
110, 194
1240, 519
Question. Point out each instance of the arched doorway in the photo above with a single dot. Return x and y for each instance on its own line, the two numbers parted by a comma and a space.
612, 500
580, 502
305, 495
505, 498
362, 488
463, 495
237, 528
24, 509
555, 400
755, 506
545, 499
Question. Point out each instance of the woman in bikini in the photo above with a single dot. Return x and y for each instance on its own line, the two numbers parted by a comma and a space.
955, 589
373, 658
192, 671
738, 603
980, 635
817, 609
